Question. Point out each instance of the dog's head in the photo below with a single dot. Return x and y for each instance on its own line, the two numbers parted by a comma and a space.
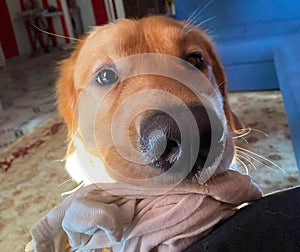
147, 97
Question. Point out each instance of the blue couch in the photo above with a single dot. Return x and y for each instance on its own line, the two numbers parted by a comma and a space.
259, 44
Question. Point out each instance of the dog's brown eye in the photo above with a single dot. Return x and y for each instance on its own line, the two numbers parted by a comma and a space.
196, 59
107, 76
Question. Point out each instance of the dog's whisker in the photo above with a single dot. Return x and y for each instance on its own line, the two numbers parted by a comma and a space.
240, 133
213, 97
241, 137
247, 159
244, 165
209, 32
240, 154
65, 182
215, 100
194, 17
252, 155
221, 83
54, 34
214, 92
203, 22
234, 136
252, 165
252, 129
258, 161
260, 131
249, 153
196, 14
58, 160
73, 190
195, 25
189, 21
71, 142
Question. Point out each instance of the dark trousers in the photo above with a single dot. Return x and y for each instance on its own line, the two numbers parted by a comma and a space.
269, 224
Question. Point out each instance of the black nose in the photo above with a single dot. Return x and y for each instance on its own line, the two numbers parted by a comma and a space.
160, 141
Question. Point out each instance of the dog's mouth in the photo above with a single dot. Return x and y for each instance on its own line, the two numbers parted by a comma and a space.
162, 140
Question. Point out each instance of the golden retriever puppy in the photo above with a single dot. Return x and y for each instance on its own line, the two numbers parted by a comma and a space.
146, 100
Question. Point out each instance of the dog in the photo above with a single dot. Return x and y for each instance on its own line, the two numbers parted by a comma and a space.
150, 135
97, 69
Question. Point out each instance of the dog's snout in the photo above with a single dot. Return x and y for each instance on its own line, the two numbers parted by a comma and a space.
160, 140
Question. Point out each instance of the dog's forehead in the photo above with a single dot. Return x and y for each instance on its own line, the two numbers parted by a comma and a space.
109, 43
149, 35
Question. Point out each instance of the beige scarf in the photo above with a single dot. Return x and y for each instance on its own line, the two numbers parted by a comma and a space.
92, 218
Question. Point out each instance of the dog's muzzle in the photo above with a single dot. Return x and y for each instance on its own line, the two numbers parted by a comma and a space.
160, 137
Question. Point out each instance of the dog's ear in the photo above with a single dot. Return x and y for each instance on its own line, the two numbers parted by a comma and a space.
65, 89
219, 74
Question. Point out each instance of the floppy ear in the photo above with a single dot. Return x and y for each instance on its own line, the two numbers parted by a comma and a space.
219, 74
66, 95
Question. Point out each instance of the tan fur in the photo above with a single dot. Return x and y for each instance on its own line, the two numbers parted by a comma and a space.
130, 37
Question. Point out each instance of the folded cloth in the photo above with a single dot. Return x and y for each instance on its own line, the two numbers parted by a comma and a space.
92, 218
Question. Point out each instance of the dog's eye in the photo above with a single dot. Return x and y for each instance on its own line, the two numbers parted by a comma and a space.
196, 59
107, 76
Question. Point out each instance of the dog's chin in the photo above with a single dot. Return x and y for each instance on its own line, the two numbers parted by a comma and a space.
223, 162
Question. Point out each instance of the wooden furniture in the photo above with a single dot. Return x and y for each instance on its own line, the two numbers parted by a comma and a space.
141, 8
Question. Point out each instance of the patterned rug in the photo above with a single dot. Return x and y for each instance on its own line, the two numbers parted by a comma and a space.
268, 146
32, 175
32, 178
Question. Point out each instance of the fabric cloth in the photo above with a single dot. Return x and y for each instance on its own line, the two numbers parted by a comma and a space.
92, 218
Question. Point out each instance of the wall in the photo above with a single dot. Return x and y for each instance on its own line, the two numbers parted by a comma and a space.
87, 14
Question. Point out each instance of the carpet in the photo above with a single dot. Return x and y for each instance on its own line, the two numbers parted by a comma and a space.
32, 175
268, 146
32, 178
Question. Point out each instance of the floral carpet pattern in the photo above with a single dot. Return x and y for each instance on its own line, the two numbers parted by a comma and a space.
268, 146
32, 178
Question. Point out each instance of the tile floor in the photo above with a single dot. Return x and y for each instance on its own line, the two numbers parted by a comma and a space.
27, 94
